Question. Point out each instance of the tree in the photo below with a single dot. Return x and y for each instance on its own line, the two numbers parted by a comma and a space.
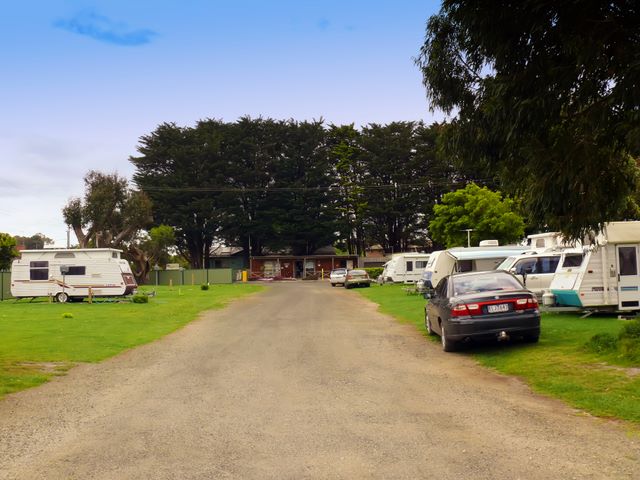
33, 242
546, 96
7, 250
111, 212
404, 178
179, 169
111, 215
478, 208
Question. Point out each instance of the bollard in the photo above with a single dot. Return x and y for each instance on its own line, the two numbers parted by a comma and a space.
171, 284
244, 276
90, 295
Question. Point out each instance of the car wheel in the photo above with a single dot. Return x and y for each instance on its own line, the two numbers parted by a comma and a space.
333, 284
447, 344
427, 323
62, 297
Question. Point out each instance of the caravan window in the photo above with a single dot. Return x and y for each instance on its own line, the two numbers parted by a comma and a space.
572, 260
115, 254
64, 255
39, 270
421, 264
464, 266
76, 271
409, 266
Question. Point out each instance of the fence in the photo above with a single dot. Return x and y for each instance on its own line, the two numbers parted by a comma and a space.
162, 277
193, 277
5, 285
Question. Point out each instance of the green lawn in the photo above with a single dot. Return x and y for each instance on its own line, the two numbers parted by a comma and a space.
36, 341
558, 366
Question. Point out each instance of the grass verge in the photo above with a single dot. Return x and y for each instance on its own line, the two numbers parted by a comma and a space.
39, 340
605, 385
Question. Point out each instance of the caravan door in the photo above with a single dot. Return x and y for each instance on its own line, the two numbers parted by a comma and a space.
440, 264
628, 278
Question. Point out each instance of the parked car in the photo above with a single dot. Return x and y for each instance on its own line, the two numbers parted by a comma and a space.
481, 305
357, 278
336, 277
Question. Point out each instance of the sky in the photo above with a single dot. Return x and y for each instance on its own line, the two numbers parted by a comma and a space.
82, 81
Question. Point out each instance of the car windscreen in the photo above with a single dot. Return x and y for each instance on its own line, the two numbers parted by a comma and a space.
506, 263
488, 282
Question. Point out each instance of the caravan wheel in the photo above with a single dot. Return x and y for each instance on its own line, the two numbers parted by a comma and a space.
62, 297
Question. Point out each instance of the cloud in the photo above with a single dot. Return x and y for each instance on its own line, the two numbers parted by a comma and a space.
103, 29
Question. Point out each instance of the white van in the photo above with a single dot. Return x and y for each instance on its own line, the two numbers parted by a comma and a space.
71, 274
536, 269
405, 267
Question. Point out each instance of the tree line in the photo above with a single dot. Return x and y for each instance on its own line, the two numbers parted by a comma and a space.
269, 185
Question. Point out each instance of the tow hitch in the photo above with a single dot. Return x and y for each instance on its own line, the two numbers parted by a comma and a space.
503, 336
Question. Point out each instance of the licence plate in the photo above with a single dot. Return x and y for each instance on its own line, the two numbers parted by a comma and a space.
500, 307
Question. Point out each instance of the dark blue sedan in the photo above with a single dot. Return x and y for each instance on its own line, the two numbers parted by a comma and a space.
481, 305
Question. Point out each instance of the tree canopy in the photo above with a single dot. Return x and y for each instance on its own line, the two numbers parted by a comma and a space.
34, 242
273, 185
7, 250
547, 97
477, 208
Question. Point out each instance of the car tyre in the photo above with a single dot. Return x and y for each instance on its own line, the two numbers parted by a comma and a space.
447, 344
333, 284
62, 297
427, 323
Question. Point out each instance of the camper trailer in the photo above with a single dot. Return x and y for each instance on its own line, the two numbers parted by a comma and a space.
466, 259
603, 276
71, 274
405, 267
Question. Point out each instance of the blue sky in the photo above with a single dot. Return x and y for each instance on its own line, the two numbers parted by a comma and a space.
82, 81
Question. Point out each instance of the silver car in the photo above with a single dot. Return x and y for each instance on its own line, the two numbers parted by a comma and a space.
337, 276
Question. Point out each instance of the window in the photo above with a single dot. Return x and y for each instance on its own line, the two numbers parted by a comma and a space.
421, 264
572, 260
409, 266
64, 255
540, 243
115, 254
39, 270
464, 265
526, 266
441, 288
547, 264
627, 260
76, 271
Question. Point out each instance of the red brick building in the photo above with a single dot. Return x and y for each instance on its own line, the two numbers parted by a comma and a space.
292, 266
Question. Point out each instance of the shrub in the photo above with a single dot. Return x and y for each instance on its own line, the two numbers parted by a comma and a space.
140, 298
630, 349
602, 343
631, 330
204, 286
67, 315
374, 272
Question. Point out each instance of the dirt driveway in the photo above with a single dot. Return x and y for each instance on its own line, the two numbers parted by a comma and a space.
301, 381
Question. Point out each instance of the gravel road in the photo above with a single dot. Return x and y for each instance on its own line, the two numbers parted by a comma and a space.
301, 381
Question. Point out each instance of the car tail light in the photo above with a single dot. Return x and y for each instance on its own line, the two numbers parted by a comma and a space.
526, 303
460, 310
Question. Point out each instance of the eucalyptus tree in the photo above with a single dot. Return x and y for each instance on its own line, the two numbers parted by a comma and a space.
547, 96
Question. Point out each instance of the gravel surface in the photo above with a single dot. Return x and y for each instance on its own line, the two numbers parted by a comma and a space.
301, 381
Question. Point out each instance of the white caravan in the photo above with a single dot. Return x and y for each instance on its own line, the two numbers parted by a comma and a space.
70, 274
466, 259
604, 276
405, 267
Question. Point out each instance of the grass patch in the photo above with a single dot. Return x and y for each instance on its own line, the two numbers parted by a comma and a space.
41, 339
604, 381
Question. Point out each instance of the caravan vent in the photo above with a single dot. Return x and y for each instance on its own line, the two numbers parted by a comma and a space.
489, 243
